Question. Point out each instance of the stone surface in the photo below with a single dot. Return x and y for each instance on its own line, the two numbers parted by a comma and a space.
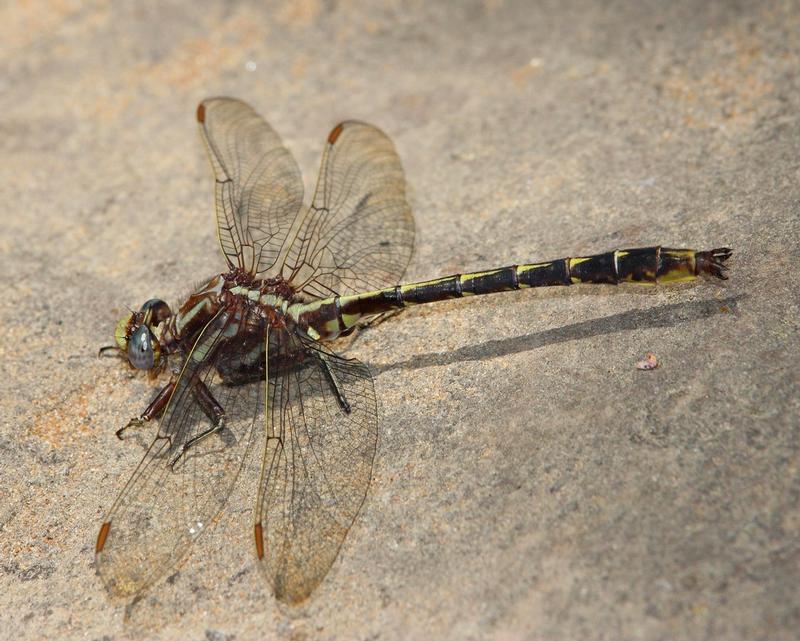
531, 482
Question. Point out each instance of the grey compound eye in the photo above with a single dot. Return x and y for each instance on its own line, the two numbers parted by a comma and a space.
140, 349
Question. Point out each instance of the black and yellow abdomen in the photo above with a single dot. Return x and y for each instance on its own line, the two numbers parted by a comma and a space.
331, 317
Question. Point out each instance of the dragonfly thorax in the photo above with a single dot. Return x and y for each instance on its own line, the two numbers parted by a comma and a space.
147, 336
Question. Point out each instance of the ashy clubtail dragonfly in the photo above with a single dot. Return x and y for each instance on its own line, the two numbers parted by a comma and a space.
248, 357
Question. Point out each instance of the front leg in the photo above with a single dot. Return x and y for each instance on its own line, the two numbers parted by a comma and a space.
154, 410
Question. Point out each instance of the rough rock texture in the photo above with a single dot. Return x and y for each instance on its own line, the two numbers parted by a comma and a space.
531, 483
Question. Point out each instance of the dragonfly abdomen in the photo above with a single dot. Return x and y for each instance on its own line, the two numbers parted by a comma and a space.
331, 317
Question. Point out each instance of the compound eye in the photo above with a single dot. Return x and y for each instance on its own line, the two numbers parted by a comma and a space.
155, 311
140, 348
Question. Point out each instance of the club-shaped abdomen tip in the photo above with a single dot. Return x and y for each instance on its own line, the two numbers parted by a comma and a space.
713, 262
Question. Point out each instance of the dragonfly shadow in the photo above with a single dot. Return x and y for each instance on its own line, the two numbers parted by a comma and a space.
663, 316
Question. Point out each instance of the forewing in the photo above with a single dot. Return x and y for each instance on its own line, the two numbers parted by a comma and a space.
164, 508
358, 234
317, 466
258, 191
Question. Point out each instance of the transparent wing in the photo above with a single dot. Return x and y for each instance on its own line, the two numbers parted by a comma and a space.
358, 234
321, 441
259, 190
171, 499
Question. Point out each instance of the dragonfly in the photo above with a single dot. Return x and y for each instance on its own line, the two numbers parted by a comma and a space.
249, 358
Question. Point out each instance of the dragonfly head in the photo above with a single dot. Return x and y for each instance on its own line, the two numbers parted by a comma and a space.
137, 334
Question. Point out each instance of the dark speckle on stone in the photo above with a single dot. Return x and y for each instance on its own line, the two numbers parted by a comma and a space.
36, 572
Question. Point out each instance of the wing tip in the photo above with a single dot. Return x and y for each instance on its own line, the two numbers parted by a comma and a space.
102, 536
201, 112
259, 541
335, 133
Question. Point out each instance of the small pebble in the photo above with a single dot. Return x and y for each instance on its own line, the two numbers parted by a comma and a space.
648, 362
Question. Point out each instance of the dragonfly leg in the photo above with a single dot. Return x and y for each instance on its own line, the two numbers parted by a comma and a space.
212, 409
334, 381
218, 426
154, 410
206, 399
367, 324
